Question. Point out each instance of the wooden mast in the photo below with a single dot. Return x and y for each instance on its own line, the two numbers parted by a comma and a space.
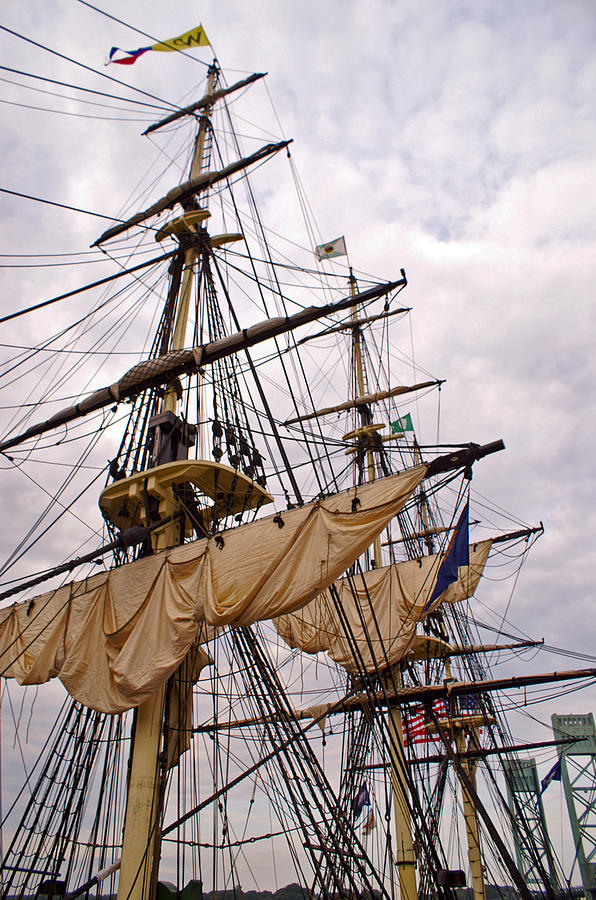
404, 849
142, 838
404, 852
459, 726
470, 817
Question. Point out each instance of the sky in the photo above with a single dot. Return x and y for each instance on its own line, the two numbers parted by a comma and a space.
456, 140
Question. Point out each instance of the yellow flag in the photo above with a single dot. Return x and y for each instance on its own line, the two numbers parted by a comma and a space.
196, 37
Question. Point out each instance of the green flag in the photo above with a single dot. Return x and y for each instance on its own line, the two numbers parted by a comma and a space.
403, 424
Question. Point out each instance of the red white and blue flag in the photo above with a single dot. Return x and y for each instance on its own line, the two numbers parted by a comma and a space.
467, 704
369, 823
361, 800
553, 774
414, 723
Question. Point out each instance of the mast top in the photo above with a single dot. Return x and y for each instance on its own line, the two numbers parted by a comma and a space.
124, 502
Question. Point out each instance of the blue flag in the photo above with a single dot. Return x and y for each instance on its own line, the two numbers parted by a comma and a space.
361, 800
553, 775
458, 554
468, 703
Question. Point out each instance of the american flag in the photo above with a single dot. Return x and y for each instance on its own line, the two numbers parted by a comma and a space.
370, 824
414, 723
361, 800
468, 704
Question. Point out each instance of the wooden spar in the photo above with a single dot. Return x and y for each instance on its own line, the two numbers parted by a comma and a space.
499, 539
489, 648
354, 323
425, 648
297, 716
514, 535
141, 839
448, 689
480, 753
422, 497
190, 188
208, 100
129, 538
164, 369
300, 714
418, 694
428, 532
357, 351
461, 458
365, 400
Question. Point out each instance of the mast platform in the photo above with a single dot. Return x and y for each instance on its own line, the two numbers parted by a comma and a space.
124, 502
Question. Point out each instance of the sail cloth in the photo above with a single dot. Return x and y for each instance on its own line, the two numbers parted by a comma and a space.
114, 638
379, 611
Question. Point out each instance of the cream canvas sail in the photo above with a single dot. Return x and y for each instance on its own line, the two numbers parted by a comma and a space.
379, 611
114, 638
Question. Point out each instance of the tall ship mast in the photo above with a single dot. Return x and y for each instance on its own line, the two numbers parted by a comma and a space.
269, 649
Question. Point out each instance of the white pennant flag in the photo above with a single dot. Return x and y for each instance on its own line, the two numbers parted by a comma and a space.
331, 249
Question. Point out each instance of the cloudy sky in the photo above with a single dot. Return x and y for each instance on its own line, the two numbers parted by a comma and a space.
454, 139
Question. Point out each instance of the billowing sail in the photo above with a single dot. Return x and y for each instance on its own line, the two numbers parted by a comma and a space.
114, 638
378, 611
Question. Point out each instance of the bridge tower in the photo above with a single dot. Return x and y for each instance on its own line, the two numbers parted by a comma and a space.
578, 776
532, 844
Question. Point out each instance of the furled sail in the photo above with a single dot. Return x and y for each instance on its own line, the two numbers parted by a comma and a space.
164, 369
115, 637
188, 189
379, 611
365, 400
207, 100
